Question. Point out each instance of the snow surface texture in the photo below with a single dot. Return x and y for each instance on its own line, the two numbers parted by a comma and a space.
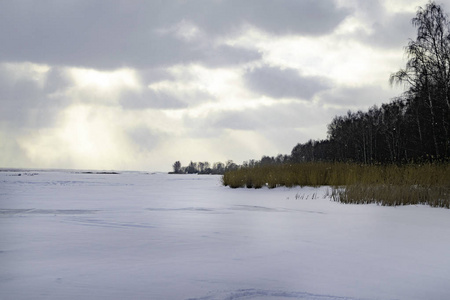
68, 235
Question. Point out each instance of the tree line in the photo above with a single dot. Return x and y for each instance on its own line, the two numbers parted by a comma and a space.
414, 127
221, 168
203, 167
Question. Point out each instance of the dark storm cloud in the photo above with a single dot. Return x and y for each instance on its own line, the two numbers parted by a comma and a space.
287, 83
102, 34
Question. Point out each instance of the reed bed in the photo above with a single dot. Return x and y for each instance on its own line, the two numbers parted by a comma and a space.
393, 195
354, 183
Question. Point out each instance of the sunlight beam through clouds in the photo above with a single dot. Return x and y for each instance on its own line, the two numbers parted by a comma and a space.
206, 80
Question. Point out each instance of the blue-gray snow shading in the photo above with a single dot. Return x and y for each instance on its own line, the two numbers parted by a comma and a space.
269, 294
69, 235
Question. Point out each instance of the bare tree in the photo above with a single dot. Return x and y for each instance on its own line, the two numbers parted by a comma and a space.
427, 74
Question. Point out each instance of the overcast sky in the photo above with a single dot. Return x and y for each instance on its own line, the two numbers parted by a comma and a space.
137, 85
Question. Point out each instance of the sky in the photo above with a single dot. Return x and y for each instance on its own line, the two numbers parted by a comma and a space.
138, 85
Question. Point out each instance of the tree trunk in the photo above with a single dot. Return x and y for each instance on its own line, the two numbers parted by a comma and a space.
433, 123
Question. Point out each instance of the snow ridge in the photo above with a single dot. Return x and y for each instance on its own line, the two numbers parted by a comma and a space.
270, 294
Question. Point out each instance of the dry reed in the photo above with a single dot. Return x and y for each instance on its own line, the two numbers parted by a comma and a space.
354, 183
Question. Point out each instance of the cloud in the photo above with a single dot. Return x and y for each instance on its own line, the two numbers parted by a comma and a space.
29, 94
138, 85
163, 99
265, 130
390, 31
394, 32
284, 83
357, 98
280, 116
151, 99
144, 138
184, 87
13, 155
381, 23
100, 35
310, 17
225, 55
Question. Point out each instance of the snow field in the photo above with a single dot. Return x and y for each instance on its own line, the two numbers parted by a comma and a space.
69, 235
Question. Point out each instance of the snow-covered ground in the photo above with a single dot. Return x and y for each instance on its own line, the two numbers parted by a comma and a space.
67, 235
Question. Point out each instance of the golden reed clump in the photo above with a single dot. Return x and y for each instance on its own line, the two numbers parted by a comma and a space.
354, 183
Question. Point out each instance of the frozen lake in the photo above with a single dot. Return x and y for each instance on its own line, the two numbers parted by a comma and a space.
68, 235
